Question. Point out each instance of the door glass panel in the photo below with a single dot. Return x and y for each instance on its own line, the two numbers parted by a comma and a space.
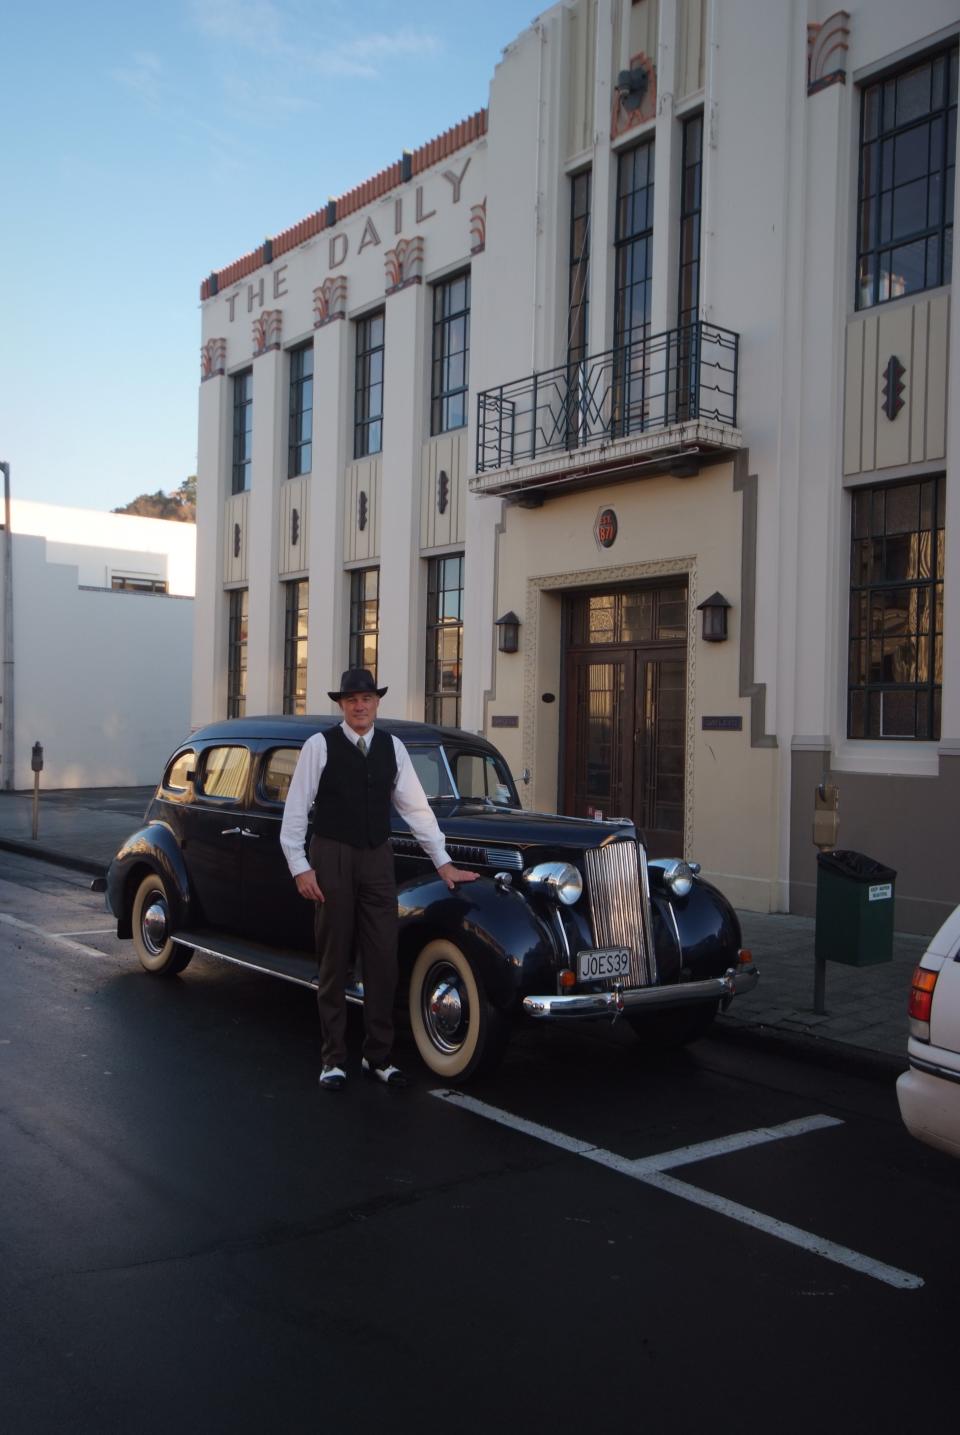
225, 771
601, 766
661, 774
637, 625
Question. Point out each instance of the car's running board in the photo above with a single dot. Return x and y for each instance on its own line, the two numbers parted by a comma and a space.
295, 967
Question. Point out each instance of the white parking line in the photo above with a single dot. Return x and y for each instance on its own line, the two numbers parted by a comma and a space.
90, 932
49, 936
740, 1141
650, 1170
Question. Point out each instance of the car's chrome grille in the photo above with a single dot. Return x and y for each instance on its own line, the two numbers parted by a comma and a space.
503, 858
619, 895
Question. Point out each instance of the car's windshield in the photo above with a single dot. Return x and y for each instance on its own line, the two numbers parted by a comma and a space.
478, 776
431, 769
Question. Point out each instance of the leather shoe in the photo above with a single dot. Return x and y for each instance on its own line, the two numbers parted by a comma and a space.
389, 1075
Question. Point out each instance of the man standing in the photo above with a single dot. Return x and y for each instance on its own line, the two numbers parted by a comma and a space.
350, 776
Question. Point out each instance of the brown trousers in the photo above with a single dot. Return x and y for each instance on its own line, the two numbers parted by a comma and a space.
357, 919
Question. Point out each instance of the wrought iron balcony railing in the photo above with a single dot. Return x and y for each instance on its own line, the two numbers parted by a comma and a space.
659, 382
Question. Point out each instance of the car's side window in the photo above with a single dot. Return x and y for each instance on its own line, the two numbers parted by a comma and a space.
224, 772
175, 779
276, 773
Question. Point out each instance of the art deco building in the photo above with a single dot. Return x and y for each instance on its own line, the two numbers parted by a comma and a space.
614, 424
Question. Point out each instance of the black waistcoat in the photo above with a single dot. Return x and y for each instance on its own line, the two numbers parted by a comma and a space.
352, 804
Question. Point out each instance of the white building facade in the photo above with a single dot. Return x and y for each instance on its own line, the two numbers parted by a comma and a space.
614, 424
97, 659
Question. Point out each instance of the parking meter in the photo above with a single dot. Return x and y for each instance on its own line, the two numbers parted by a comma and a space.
36, 762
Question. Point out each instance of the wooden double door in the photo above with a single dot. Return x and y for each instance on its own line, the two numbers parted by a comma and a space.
625, 665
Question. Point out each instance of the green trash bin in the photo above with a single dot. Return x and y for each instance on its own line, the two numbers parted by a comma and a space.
855, 896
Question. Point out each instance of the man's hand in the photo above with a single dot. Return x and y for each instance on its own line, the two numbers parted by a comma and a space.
452, 875
308, 886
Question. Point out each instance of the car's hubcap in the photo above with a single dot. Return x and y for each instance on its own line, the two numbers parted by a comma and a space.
155, 924
446, 1009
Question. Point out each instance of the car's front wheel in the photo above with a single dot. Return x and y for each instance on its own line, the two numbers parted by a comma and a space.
152, 941
457, 1031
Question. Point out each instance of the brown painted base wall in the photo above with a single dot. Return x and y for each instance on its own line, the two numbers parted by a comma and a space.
907, 823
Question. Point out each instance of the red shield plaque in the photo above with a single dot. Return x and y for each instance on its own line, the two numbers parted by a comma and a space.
606, 527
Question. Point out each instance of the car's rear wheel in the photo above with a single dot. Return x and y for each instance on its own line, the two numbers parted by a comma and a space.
152, 941
659, 1031
457, 1031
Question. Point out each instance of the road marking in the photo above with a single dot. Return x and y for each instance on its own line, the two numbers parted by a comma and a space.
740, 1141
90, 932
71, 946
651, 1171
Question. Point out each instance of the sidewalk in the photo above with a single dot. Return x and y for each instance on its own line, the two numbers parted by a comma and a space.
866, 1016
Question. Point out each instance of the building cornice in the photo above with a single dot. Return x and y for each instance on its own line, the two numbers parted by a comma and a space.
429, 154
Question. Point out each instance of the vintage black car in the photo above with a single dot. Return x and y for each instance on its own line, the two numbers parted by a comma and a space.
568, 920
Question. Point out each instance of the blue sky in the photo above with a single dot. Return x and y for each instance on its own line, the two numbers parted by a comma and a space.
144, 146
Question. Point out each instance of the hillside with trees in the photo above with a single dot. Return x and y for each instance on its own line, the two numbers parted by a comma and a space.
180, 506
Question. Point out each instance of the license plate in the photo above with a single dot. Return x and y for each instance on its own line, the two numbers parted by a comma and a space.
602, 963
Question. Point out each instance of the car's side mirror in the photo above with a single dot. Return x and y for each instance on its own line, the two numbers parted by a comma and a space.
525, 776
191, 774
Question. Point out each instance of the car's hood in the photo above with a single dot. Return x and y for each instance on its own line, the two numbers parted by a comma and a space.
514, 827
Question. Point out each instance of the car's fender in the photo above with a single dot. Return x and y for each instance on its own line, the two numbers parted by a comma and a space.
707, 927
153, 849
498, 927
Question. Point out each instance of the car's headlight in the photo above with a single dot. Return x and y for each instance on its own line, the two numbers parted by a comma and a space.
679, 877
559, 880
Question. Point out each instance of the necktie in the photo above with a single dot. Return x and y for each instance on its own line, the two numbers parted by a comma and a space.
362, 746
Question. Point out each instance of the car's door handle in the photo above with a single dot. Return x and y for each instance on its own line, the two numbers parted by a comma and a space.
247, 833
230, 832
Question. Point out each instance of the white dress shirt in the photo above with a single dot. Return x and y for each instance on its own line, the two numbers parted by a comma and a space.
408, 798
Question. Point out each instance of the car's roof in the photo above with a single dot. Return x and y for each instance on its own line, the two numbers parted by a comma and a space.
298, 729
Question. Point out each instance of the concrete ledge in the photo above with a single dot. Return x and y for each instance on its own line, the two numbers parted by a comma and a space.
48, 854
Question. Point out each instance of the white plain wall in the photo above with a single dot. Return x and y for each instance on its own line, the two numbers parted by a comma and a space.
99, 543
102, 679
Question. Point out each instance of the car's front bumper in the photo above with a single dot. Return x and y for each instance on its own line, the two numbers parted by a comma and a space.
734, 982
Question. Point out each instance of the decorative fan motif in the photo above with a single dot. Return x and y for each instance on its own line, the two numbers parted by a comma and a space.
404, 263
267, 331
213, 359
478, 226
330, 300
827, 45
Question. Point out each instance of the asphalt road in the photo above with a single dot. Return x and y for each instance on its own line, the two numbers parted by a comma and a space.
194, 1238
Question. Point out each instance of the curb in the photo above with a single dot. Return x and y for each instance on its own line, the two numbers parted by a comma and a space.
58, 859
833, 1055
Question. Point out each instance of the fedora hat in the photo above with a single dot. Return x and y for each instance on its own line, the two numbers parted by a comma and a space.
356, 680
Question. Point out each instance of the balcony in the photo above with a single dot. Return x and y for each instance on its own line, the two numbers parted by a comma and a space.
665, 403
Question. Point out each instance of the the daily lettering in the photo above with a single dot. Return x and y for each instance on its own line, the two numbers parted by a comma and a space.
339, 243
369, 235
456, 179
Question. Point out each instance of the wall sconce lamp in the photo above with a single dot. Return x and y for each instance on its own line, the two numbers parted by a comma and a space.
508, 633
714, 610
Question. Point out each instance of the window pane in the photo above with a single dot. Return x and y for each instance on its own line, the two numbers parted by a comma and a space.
895, 569
277, 772
913, 94
225, 771
903, 168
